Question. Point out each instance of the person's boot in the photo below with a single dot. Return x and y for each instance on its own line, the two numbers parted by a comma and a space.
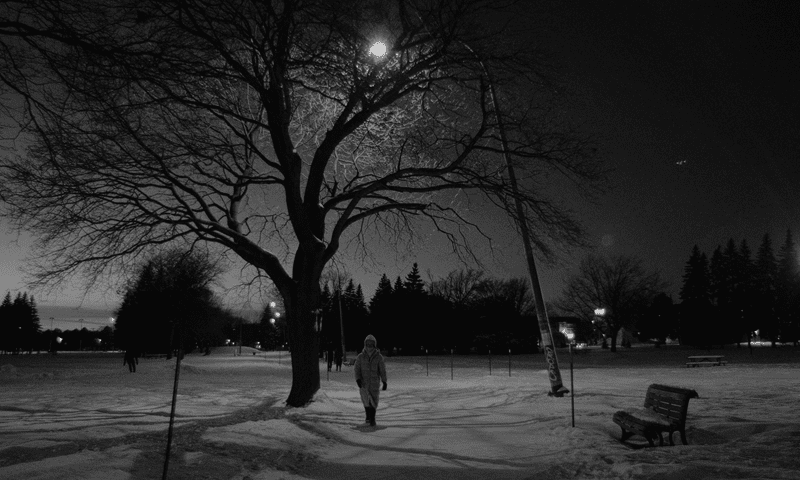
366, 422
371, 415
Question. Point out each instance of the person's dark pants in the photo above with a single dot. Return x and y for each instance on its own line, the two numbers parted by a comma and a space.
370, 415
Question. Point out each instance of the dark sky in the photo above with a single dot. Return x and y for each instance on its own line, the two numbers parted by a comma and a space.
697, 108
697, 105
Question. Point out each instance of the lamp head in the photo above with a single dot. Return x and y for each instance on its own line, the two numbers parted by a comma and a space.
378, 49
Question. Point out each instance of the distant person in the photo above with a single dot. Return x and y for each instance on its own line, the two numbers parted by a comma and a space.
337, 358
131, 359
370, 372
329, 355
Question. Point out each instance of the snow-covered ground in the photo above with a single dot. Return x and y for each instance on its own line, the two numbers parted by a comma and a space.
84, 416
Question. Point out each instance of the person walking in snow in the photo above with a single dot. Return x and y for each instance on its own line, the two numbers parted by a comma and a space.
337, 358
130, 359
370, 372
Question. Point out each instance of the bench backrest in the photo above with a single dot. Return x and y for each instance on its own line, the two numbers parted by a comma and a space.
672, 402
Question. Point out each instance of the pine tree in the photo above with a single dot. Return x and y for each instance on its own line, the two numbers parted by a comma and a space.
744, 294
787, 293
413, 283
31, 324
415, 308
696, 308
7, 334
696, 285
380, 307
765, 281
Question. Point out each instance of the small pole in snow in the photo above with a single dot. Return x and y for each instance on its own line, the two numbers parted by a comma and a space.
174, 401
572, 385
490, 362
451, 364
509, 362
426, 362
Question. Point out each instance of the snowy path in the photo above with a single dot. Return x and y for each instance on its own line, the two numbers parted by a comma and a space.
78, 420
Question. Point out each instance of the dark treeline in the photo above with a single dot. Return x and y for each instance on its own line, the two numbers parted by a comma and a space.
732, 296
465, 311
169, 305
736, 294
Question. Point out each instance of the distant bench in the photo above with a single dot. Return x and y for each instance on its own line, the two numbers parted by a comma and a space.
706, 361
664, 410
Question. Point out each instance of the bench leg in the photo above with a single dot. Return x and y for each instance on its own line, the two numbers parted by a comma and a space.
683, 437
671, 442
626, 435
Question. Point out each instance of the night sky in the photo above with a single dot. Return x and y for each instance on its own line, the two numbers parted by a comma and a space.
696, 106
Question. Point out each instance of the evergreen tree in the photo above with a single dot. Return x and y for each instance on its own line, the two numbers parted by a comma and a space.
726, 314
398, 287
696, 284
395, 331
416, 327
765, 281
413, 283
696, 308
744, 297
787, 294
7, 326
20, 323
380, 307
330, 320
355, 314
363, 311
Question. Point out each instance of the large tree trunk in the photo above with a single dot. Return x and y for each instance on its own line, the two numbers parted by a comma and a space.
304, 345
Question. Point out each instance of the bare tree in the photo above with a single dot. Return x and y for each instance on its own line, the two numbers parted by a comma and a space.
459, 287
619, 284
269, 130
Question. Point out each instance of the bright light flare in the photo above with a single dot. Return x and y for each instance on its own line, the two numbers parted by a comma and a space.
378, 49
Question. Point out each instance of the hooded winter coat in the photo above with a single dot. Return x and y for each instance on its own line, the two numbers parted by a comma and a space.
371, 371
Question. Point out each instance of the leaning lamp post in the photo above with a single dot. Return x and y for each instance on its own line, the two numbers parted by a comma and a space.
557, 387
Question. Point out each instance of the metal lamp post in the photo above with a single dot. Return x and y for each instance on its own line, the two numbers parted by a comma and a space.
556, 386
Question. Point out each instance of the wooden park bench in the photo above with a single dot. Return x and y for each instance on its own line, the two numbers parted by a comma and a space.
706, 361
664, 410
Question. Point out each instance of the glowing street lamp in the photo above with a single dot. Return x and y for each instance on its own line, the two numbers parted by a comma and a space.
378, 49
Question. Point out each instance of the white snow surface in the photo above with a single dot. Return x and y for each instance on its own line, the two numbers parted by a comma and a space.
83, 416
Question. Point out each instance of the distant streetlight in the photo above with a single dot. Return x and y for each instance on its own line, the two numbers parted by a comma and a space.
599, 311
378, 49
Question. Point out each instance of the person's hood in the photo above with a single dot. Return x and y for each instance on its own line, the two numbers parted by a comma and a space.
370, 337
